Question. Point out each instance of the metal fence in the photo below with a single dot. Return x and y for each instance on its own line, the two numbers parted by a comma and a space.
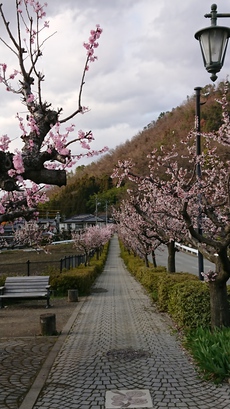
30, 268
69, 262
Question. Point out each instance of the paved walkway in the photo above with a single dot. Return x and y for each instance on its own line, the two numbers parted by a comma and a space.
121, 353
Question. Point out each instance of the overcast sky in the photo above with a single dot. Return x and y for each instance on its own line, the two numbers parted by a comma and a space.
148, 63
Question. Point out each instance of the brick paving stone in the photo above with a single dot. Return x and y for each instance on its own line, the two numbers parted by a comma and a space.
20, 360
120, 341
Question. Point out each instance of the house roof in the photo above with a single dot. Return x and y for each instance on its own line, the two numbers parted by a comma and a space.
84, 218
49, 221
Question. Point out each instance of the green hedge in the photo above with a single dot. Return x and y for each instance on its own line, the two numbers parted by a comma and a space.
182, 295
166, 284
81, 278
189, 304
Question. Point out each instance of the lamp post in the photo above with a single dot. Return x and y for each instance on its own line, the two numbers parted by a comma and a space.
198, 172
213, 42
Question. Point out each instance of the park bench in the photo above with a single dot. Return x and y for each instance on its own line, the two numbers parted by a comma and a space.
33, 287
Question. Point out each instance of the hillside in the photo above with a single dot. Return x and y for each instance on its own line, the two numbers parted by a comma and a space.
91, 186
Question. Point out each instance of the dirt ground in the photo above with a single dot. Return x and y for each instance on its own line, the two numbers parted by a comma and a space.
22, 318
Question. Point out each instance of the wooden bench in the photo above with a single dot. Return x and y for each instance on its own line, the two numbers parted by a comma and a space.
33, 287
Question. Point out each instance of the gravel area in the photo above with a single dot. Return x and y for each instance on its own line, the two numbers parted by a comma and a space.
22, 319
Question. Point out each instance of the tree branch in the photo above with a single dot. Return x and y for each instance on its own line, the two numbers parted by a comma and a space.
46, 176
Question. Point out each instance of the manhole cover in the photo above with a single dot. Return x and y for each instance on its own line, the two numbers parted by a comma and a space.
127, 354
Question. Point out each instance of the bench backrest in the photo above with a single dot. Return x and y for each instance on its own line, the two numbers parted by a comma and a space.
26, 284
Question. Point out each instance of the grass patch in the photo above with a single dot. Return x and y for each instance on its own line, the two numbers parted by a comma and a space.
211, 352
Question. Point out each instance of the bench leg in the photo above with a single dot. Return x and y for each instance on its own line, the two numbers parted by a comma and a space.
1, 303
48, 301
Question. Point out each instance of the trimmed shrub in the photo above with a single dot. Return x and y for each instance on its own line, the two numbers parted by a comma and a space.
189, 304
149, 278
165, 286
182, 295
81, 278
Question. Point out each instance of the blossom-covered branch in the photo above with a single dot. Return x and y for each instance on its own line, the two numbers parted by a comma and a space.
45, 155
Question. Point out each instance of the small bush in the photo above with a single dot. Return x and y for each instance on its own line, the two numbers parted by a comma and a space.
80, 278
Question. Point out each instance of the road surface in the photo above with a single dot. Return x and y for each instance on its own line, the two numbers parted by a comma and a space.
184, 261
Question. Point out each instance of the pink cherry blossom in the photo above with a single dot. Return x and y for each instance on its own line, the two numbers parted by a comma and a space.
2, 209
30, 98
4, 142
18, 162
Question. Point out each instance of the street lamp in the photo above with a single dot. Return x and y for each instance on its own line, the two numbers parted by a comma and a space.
198, 172
213, 42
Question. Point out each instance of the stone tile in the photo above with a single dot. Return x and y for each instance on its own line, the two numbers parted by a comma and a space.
136, 398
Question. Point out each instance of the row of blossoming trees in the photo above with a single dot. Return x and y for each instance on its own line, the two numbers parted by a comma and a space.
165, 206
86, 241
44, 156
92, 239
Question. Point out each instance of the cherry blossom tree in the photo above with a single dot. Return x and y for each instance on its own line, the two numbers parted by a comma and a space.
30, 234
92, 239
178, 199
147, 210
135, 232
45, 155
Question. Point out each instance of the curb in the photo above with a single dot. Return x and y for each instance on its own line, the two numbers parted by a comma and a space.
35, 389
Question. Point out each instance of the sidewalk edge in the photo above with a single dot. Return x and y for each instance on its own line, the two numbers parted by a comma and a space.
35, 389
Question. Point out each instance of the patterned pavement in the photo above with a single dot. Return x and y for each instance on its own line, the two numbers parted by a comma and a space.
20, 361
118, 352
119, 349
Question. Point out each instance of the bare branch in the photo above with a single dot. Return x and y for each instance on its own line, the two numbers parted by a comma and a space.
77, 139
8, 28
8, 46
78, 111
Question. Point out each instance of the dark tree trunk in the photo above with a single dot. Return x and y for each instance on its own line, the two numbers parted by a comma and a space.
220, 310
220, 307
146, 260
171, 257
154, 259
87, 259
